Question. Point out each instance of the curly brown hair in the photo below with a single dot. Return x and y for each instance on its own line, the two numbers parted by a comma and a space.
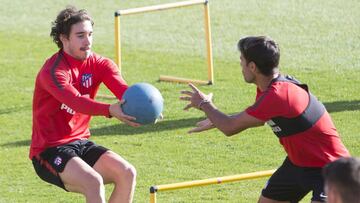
65, 19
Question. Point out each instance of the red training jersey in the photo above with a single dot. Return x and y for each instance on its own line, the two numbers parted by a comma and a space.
314, 147
63, 101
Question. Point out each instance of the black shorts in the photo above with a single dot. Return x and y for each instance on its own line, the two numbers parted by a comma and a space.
292, 183
53, 160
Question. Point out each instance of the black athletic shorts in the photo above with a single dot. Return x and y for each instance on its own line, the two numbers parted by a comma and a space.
53, 160
292, 183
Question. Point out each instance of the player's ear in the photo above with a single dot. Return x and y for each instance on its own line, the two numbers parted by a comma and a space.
253, 67
64, 38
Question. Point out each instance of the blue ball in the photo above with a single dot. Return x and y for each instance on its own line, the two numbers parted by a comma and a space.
144, 102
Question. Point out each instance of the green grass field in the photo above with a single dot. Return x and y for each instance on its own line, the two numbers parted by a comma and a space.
319, 42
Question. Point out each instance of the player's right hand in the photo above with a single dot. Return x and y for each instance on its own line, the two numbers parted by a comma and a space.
116, 111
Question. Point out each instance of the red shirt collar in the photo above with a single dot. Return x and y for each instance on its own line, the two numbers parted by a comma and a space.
73, 62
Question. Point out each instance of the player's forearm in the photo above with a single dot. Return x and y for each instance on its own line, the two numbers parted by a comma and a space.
114, 81
116, 86
80, 103
89, 106
220, 120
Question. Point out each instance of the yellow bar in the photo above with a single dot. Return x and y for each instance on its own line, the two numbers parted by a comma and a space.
208, 43
160, 7
218, 180
117, 41
182, 80
153, 197
104, 96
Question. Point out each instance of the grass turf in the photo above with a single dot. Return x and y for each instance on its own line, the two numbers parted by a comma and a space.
319, 42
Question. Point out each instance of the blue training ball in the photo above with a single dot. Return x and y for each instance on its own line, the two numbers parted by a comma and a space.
144, 102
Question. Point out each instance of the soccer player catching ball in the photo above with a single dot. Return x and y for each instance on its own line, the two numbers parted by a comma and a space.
297, 118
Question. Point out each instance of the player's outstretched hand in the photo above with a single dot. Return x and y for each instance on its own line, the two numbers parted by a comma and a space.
202, 126
161, 117
195, 97
115, 111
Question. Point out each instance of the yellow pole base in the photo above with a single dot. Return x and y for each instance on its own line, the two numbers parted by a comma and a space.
104, 96
183, 80
218, 180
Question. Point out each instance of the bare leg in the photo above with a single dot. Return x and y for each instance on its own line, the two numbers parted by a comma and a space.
263, 199
79, 177
114, 169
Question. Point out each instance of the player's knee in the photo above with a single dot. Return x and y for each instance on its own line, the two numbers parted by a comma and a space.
94, 184
127, 175
130, 173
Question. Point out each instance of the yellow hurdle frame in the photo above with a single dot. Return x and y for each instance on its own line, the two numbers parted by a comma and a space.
210, 181
209, 58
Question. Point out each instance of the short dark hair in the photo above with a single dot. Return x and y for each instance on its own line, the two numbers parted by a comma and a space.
344, 174
65, 19
261, 50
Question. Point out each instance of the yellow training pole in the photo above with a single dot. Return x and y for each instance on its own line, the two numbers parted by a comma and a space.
208, 42
218, 180
182, 80
210, 181
160, 7
164, 7
117, 40
152, 197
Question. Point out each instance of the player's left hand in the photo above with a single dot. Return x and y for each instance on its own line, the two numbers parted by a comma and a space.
116, 111
161, 117
202, 126
195, 97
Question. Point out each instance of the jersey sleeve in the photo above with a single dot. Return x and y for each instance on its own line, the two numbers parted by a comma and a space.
111, 77
57, 82
268, 105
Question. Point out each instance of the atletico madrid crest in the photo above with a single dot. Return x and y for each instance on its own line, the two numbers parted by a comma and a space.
86, 80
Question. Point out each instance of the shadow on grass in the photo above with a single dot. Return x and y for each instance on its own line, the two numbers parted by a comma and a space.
122, 129
14, 109
338, 106
20, 143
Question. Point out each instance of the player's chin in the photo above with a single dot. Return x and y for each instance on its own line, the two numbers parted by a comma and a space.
85, 55
88, 53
